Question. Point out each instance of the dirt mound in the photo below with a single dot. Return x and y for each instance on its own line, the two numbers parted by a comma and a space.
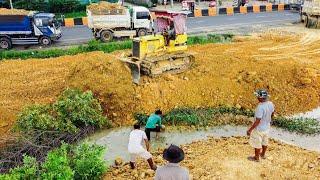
223, 74
227, 159
103, 8
41, 81
4, 11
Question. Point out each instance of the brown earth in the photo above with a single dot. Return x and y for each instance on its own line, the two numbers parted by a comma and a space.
226, 158
223, 74
4, 11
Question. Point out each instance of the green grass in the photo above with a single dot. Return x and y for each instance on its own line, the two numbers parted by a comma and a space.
219, 116
98, 46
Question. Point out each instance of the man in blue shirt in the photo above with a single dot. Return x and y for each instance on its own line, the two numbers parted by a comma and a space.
153, 123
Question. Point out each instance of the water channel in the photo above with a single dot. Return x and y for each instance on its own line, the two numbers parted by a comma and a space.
116, 140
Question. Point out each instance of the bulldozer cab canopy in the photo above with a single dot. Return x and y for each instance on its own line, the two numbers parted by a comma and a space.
175, 19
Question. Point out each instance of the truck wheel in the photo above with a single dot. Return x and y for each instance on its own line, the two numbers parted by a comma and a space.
142, 32
5, 43
45, 41
106, 36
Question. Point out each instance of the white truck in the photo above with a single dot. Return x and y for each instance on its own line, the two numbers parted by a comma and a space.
310, 13
132, 22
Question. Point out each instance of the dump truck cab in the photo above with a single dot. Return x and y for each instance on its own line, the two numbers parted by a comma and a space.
34, 28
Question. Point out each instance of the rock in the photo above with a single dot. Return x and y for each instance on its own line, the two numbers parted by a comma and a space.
238, 106
115, 172
142, 175
114, 114
305, 81
3, 124
185, 78
169, 77
311, 166
118, 161
149, 172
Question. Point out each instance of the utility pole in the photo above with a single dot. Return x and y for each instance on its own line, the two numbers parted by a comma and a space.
171, 3
11, 4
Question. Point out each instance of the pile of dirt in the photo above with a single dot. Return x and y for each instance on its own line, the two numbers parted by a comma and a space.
4, 11
41, 81
104, 8
223, 74
226, 158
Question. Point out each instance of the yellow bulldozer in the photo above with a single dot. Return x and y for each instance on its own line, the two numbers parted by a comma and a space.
164, 51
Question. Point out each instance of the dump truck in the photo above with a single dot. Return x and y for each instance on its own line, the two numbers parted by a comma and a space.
125, 22
34, 28
310, 13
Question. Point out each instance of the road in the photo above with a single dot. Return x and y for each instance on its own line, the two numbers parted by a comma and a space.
237, 24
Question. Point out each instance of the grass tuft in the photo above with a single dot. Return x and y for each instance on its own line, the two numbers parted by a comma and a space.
95, 45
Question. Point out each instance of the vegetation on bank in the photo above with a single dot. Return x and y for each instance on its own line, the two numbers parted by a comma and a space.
239, 116
66, 162
42, 128
73, 109
95, 45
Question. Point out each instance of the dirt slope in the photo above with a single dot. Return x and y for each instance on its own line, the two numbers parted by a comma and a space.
223, 74
227, 159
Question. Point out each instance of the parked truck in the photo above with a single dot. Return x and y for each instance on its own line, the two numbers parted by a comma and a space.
34, 28
130, 22
310, 13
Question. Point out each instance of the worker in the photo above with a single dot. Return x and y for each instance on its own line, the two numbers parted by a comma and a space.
154, 124
259, 130
136, 149
171, 32
172, 171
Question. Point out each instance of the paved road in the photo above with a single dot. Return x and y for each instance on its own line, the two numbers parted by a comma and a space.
239, 24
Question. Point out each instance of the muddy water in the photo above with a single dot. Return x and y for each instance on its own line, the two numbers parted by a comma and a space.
315, 114
116, 140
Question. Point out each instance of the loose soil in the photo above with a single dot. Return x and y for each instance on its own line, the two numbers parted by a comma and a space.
226, 158
4, 11
223, 74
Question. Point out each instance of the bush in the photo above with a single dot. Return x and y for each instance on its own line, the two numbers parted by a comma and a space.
78, 108
73, 109
53, 6
56, 165
88, 162
36, 117
67, 162
27, 171
300, 125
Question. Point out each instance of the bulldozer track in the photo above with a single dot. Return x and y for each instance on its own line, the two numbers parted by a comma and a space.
168, 63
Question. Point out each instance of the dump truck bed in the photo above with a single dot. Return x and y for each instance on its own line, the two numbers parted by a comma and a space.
15, 24
109, 21
311, 7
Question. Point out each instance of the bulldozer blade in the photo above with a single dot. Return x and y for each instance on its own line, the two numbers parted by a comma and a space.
135, 72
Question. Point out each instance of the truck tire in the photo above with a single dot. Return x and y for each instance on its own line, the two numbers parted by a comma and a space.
106, 36
305, 22
142, 32
5, 43
45, 41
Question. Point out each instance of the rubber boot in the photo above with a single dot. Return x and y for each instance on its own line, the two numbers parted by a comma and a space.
152, 166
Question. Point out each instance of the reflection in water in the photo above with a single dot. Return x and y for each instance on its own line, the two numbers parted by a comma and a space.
116, 140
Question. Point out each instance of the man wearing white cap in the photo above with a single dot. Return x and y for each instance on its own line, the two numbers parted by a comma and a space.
259, 130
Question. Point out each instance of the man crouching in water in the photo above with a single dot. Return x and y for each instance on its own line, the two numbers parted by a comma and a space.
259, 130
135, 147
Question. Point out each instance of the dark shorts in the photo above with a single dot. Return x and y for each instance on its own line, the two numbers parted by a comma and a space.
148, 130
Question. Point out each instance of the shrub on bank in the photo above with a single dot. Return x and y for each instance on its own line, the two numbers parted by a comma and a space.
214, 117
67, 162
72, 110
105, 47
